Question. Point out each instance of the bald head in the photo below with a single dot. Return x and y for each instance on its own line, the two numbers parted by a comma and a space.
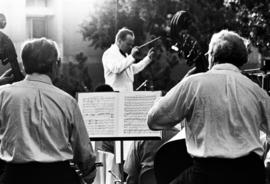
3, 21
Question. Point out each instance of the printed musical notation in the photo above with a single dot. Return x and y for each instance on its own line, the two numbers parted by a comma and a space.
112, 114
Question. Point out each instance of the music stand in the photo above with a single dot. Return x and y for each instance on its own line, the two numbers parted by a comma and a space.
118, 116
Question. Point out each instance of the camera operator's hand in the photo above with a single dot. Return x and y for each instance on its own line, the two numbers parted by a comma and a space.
135, 52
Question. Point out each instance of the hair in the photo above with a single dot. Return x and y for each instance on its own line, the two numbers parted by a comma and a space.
103, 88
228, 47
39, 55
122, 33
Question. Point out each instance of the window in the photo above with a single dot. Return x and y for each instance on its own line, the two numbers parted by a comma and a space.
37, 27
37, 14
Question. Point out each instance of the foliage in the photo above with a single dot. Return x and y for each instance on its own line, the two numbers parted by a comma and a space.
99, 28
253, 19
75, 76
151, 18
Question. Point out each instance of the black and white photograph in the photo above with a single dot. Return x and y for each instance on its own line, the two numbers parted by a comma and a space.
134, 92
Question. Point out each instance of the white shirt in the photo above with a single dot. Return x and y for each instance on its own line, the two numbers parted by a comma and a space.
39, 122
224, 112
119, 70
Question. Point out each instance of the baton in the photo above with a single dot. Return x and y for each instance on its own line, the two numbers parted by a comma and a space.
143, 84
147, 43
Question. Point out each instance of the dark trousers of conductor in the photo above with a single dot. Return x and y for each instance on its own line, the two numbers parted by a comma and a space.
39, 173
244, 170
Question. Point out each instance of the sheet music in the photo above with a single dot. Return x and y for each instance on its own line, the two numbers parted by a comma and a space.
99, 111
135, 108
113, 115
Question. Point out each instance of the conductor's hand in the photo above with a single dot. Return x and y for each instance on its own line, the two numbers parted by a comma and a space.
151, 53
135, 51
7, 77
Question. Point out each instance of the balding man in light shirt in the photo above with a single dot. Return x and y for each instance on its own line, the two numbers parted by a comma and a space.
224, 112
119, 66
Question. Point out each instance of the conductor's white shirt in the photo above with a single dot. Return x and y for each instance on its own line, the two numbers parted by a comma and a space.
119, 69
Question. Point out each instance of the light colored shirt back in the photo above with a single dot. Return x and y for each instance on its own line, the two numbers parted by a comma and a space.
39, 122
224, 112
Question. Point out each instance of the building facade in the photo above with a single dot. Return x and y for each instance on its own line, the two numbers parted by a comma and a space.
58, 20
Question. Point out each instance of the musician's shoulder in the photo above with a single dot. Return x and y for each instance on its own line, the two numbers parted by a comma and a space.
4, 86
197, 76
63, 93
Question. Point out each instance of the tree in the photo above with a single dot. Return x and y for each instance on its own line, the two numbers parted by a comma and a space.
151, 18
75, 76
252, 18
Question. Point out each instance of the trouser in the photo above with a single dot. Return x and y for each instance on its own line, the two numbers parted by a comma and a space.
39, 173
244, 170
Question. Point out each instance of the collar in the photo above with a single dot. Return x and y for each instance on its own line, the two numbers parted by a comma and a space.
123, 53
226, 66
117, 48
38, 77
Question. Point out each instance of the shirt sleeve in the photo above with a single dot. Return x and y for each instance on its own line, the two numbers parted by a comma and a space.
84, 156
172, 108
141, 65
115, 62
265, 125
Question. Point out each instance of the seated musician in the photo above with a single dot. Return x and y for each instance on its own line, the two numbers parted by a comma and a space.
141, 155
224, 111
42, 128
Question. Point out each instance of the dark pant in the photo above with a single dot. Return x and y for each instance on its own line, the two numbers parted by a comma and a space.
41, 173
244, 170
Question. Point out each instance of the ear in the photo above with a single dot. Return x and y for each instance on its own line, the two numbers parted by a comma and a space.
55, 68
1, 25
119, 40
210, 61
